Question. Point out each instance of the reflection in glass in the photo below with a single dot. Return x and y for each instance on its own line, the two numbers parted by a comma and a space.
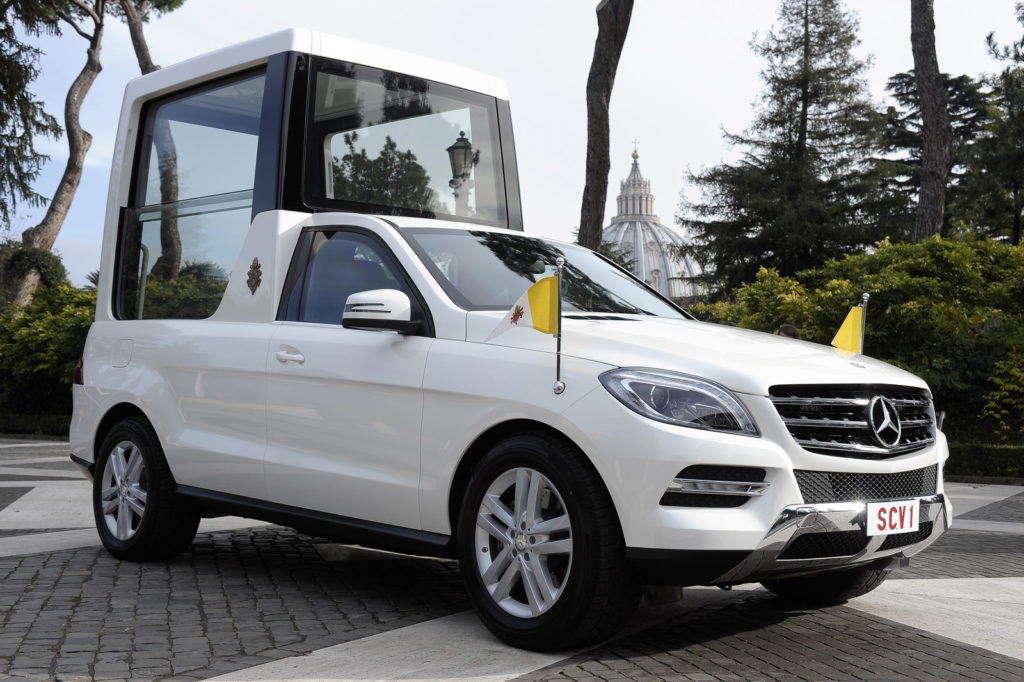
192, 202
483, 270
379, 142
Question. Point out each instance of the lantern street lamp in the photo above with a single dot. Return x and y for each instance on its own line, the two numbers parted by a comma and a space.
460, 155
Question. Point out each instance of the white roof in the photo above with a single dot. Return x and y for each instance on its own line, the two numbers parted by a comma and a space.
251, 53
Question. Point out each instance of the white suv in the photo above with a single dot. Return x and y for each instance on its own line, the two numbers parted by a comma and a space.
308, 243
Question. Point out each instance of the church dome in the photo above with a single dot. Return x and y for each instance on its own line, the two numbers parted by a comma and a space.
654, 248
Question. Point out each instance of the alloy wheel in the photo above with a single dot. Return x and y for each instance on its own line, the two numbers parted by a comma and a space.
524, 543
123, 490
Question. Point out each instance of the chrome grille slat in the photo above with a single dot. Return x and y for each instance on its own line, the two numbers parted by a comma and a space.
832, 419
859, 402
830, 423
866, 449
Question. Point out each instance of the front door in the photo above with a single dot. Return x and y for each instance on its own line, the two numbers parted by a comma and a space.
345, 405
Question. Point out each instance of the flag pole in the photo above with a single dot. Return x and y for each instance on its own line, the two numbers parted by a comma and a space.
559, 386
863, 318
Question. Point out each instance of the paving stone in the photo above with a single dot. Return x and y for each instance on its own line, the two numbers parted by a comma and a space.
202, 610
968, 554
774, 640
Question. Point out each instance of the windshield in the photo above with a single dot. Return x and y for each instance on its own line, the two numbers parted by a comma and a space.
491, 270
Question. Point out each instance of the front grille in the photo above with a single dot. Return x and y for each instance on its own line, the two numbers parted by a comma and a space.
825, 545
833, 419
832, 486
904, 539
847, 543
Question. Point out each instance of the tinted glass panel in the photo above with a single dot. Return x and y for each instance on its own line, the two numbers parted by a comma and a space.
193, 201
382, 142
341, 264
491, 270
203, 144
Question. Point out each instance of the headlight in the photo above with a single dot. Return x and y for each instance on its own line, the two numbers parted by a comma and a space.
679, 399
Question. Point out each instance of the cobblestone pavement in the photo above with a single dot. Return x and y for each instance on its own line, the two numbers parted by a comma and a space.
245, 597
1010, 509
760, 637
236, 600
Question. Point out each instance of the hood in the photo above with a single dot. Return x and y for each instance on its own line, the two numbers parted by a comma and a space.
740, 359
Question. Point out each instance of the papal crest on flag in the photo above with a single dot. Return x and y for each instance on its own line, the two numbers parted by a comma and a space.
537, 308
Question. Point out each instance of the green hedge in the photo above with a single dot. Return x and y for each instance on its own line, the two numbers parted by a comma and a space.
985, 459
36, 424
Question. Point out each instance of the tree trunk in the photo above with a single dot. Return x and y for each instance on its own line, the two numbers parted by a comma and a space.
169, 261
45, 233
133, 16
1015, 231
938, 134
612, 24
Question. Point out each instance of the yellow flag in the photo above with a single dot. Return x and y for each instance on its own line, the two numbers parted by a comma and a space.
537, 308
849, 335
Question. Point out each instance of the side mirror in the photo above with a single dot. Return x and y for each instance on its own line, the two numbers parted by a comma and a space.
379, 309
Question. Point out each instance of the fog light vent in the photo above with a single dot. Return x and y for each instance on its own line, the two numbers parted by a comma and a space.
707, 485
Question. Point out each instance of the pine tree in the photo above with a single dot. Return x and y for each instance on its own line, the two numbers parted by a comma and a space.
996, 179
22, 117
805, 189
968, 106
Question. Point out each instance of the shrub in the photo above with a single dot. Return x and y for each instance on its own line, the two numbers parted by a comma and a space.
951, 312
985, 460
40, 345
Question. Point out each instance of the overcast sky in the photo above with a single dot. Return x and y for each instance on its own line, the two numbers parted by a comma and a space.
686, 73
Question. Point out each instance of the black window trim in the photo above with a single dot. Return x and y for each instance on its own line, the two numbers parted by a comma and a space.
299, 267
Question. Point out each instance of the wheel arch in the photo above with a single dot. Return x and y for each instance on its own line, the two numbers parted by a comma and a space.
485, 441
114, 415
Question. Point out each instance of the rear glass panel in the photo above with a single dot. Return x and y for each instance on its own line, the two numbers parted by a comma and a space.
383, 142
192, 204
482, 270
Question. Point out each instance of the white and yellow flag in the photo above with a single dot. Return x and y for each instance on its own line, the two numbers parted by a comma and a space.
850, 334
537, 308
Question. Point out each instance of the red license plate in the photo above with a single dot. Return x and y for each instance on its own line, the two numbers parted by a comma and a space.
890, 518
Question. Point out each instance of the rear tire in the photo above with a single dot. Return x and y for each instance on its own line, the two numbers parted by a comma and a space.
541, 549
828, 589
137, 514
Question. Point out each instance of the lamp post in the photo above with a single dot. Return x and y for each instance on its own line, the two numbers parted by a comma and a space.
460, 155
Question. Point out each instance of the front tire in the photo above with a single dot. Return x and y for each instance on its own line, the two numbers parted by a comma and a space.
137, 514
828, 589
540, 547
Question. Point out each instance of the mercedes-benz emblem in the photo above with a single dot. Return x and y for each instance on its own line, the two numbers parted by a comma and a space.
884, 420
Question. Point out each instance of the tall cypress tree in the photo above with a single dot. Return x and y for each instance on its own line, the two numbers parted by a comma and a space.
805, 188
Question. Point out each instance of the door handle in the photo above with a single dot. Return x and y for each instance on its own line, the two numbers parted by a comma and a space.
286, 354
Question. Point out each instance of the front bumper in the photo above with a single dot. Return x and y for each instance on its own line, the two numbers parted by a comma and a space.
804, 539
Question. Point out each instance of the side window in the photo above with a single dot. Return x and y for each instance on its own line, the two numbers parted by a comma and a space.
385, 142
192, 201
341, 264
